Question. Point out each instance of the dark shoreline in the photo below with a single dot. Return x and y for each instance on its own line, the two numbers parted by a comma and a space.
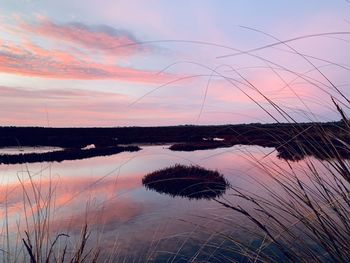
80, 137
68, 154
292, 141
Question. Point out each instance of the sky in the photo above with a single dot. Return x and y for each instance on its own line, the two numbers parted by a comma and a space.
155, 63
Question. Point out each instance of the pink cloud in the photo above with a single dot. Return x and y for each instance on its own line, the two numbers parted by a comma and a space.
32, 60
98, 37
82, 52
72, 107
63, 94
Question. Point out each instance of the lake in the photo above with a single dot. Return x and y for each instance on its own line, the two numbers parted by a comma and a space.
126, 220
27, 149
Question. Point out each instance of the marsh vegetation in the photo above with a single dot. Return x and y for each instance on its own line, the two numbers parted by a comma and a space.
193, 182
277, 192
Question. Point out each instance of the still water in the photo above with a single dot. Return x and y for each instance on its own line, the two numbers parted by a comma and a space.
126, 220
24, 150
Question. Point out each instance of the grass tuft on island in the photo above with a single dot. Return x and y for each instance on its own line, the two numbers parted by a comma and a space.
193, 182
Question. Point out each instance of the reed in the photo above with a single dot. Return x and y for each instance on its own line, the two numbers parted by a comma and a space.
35, 240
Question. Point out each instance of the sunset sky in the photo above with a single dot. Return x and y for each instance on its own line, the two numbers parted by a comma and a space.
142, 63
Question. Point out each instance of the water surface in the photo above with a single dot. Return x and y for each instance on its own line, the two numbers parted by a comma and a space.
127, 220
27, 149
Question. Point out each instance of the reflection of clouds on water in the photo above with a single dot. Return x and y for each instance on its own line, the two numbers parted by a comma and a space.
108, 216
23, 150
90, 146
108, 192
70, 196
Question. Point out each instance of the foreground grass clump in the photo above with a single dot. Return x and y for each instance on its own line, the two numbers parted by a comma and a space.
193, 182
305, 216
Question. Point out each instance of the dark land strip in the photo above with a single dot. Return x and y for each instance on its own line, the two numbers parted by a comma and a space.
292, 141
67, 154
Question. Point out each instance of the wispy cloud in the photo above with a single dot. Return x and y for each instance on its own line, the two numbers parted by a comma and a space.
31, 60
76, 107
73, 54
57, 94
98, 37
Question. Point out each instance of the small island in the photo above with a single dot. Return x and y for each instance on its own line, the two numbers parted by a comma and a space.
193, 182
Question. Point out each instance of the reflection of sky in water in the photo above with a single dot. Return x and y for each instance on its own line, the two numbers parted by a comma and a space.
23, 150
108, 193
